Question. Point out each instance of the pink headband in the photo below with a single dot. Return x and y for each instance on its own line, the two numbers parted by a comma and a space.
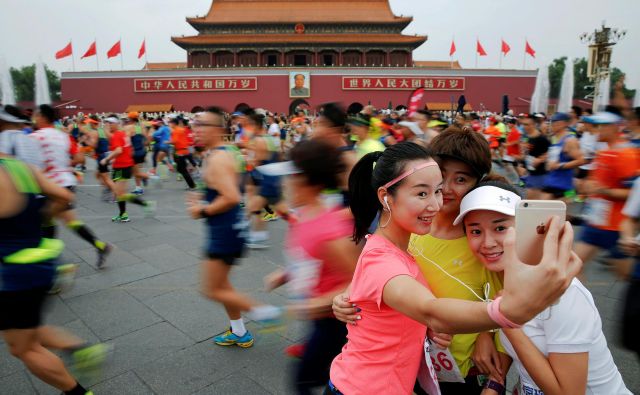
409, 172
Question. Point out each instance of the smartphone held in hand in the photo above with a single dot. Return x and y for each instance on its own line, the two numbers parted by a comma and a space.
532, 223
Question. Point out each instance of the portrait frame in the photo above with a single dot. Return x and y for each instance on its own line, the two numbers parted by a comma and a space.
305, 90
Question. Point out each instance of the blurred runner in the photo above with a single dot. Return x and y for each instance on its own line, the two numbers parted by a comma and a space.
57, 148
27, 270
226, 230
607, 188
121, 152
320, 256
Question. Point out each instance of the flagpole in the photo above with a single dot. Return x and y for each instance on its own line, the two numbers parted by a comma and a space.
121, 60
477, 40
524, 58
95, 40
73, 58
450, 54
146, 61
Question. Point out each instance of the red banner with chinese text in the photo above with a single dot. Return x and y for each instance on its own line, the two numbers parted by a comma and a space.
403, 83
212, 84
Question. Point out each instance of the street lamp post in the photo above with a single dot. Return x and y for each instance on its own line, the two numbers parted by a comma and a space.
600, 43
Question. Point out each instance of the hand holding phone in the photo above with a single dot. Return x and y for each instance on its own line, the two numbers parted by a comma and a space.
532, 222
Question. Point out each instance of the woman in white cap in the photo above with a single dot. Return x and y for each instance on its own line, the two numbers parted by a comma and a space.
560, 351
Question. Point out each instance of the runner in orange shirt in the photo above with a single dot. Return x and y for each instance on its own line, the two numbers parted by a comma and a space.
180, 141
608, 187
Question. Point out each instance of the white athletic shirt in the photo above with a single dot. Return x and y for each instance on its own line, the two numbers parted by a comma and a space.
572, 325
56, 151
18, 144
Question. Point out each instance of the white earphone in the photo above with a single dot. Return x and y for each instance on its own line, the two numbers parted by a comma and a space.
387, 203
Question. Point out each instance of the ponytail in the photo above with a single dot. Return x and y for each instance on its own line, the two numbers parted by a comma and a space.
363, 201
373, 171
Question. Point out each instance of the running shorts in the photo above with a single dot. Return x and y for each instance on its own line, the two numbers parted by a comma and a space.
22, 309
124, 173
138, 159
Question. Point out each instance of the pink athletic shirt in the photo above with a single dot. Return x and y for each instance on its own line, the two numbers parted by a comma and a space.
311, 236
383, 351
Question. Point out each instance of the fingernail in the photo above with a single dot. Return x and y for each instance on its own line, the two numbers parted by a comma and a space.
353, 305
358, 318
358, 309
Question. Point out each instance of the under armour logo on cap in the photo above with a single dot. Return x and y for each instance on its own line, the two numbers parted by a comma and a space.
505, 199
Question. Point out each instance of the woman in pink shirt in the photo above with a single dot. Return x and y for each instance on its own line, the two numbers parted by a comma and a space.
383, 352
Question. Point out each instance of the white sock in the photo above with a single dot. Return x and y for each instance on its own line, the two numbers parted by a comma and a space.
259, 235
264, 312
237, 327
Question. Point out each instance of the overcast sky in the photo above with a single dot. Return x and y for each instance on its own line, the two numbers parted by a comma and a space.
32, 29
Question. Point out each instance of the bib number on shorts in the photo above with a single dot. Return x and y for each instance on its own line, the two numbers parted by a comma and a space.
427, 376
445, 366
598, 211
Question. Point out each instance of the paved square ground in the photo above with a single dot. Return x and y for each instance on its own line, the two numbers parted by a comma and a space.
147, 304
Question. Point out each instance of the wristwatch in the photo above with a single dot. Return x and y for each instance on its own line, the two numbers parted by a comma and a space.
494, 385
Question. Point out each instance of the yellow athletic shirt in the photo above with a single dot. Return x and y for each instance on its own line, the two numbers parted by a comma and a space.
455, 257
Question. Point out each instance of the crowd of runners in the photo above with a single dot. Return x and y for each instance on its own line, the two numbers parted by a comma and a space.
400, 248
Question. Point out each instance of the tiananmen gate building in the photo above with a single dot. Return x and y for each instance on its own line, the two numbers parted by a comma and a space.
278, 54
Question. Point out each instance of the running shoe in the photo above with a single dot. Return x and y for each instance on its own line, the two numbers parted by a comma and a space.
150, 208
138, 191
91, 357
295, 350
228, 338
65, 276
178, 177
102, 255
267, 217
268, 321
121, 218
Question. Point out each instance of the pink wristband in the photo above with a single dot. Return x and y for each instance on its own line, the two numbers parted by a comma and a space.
493, 308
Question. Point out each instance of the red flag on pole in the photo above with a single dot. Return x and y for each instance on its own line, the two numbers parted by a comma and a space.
479, 49
143, 49
529, 50
453, 48
114, 51
505, 47
414, 101
64, 52
91, 51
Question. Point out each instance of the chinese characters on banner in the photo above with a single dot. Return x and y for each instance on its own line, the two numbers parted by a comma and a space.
196, 84
403, 83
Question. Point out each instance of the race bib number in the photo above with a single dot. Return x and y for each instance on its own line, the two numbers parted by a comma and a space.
529, 389
427, 376
445, 366
554, 153
529, 162
598, 211
302, 272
